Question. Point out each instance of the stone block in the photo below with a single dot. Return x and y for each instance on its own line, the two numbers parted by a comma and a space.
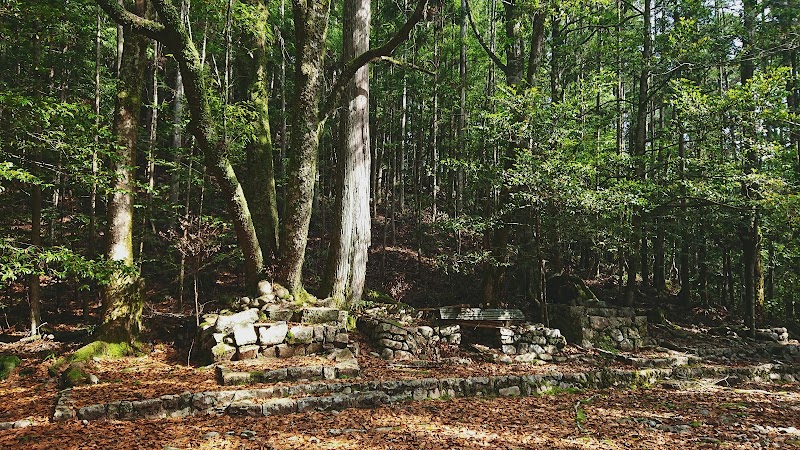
244, 334
320, 315
403, 355
387, 353
226, 324
268, 351
342, 339
222, 352
599, 322
448, 330
279, 406
248, 352
454, 339
284, 350
280, 315
388, 343
314, 347
300, 334
425, 331
511, 391
273, 335
508, 349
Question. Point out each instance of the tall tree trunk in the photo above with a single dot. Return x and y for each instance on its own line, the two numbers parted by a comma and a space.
751, 233
260, 184
122, 301
311, 27
347, 258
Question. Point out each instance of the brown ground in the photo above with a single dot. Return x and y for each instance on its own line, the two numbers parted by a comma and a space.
698, 416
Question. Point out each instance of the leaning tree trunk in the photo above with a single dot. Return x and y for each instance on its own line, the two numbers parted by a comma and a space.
347, 257
171, 32
122, 302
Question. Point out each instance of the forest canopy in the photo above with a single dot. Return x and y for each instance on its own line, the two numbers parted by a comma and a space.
155, 150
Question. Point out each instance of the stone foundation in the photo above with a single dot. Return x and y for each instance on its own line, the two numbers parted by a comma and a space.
276, 333
395, 342
589, 326
523, 343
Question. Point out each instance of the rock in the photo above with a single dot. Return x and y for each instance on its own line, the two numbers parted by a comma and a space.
284, 351
226, 324
247, 434
526, 358
280, 291
567, 289
425, 331
210, 435
248, 352
402, 355
264, 288
448, 330
244, 334
222, 352
320, 315
300, 334
93, 379
281, 315
511, 391
387, 354
508, 349
273, 335
454, 339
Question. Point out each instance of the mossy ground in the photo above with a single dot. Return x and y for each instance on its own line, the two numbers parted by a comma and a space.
7, 364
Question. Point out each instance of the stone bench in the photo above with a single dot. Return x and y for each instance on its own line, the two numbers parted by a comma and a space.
481, 317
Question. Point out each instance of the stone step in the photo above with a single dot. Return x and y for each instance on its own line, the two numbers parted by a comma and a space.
340, 395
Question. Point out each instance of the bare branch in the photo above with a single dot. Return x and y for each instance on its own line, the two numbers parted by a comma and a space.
492, 55
139, 25
349, 70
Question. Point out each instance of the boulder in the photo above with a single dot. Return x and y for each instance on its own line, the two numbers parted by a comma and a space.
273, 335
226, 324
567, 289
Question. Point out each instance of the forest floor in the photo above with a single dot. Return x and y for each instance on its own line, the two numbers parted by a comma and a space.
696, 414
690, 414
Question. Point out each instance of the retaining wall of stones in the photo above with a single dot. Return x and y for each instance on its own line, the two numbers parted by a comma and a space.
395, 342
280, 333
276, 400
346, 366
524, 343
599, 326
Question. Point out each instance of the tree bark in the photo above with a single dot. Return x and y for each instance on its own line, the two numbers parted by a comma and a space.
347, 258
260, 184
122, 301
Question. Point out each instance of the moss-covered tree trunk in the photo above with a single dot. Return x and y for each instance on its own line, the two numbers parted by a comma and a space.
260, 183
122, 303
310, 29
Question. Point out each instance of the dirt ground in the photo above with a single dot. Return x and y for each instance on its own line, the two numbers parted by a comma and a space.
699, 415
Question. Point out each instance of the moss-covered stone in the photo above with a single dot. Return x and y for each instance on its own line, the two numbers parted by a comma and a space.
7, 364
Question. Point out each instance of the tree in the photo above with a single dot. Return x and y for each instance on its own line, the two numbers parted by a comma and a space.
122, 301
349, 250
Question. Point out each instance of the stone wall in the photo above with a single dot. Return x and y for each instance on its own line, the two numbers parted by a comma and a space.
252, 333
522, 343
396, 342
599, 326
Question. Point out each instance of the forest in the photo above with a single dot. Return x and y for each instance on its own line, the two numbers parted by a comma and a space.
163, 162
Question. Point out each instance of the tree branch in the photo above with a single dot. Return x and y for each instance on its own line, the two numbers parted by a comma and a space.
492, 55
401, 63
349, 70
146, 27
